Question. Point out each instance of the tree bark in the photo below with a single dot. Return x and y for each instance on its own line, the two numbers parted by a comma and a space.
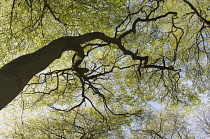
16, 74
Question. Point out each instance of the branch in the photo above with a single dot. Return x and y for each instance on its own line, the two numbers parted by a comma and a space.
133, 30
12, 12
160, 67
197, 13
53, 14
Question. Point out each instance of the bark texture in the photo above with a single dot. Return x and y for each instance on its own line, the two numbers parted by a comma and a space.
16, 74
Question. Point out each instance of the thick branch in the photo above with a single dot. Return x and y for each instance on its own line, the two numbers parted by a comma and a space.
17, 73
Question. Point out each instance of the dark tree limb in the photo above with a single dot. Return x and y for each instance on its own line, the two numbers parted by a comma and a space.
15, 75
197, 13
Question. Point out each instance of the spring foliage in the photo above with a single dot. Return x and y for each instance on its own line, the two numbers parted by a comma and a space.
157, 55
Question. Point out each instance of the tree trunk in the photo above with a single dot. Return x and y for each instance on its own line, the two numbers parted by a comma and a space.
16, 74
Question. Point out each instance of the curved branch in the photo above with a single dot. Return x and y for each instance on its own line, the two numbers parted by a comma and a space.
197, 13
16, 74
133, 30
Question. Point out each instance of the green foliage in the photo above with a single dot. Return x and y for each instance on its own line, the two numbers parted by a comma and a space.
52, 106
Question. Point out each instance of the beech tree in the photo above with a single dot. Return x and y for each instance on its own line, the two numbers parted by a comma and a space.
91, 68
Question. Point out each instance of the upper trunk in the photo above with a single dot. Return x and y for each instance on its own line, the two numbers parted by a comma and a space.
16, 74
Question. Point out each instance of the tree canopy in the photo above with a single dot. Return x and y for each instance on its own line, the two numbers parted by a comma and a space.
104, 69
